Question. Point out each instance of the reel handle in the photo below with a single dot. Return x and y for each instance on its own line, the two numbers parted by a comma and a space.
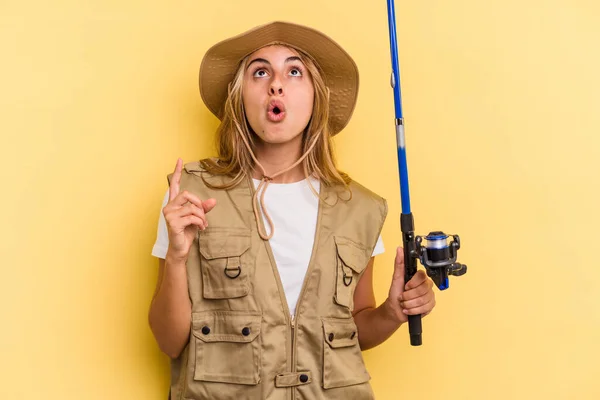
457, 269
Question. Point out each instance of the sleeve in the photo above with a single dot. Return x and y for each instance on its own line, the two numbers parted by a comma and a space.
162, 234
379, 248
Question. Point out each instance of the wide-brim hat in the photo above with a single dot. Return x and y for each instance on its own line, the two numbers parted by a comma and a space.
340, 72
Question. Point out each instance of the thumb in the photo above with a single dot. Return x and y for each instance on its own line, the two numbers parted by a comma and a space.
209, 204
399, 266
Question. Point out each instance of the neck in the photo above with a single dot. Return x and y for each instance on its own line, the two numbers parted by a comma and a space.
277, 157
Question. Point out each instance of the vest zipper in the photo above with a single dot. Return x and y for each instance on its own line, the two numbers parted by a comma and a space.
311, 264
287, 313
293, 325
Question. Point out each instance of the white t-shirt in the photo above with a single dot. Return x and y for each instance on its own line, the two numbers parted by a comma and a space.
293, 207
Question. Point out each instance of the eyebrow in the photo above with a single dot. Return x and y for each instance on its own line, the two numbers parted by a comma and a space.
262, 60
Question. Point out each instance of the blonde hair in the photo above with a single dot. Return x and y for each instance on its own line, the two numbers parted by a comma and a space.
235, 160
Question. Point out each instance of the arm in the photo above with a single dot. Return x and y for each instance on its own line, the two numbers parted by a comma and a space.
377, 324
170, 310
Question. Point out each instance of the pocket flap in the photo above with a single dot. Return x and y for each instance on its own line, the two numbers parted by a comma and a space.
340, 332
351, 254
226, 326
226, 243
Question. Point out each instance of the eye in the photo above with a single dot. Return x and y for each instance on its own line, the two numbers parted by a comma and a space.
260, 73
296, 72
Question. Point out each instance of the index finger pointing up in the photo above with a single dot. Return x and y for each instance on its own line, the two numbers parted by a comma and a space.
175, 179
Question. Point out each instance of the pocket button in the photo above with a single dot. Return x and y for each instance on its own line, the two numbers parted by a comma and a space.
246, 331
331, 337
206, 330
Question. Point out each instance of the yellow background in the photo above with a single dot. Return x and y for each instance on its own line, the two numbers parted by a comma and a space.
99, 98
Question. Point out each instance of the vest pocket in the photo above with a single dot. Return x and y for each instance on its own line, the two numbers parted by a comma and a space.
225, 267
343, 364
227, 346
351, 262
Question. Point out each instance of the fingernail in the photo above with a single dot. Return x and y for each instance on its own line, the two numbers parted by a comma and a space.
405, 311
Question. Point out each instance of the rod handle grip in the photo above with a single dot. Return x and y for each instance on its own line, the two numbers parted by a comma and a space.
415, 329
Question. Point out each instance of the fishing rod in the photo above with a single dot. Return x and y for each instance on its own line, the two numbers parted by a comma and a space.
437, 255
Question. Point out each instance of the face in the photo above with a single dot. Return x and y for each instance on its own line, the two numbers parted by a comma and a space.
278, 94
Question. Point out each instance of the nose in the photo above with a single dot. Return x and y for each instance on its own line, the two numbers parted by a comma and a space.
276, 87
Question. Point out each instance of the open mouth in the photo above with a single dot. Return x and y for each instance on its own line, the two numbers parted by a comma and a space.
276, 111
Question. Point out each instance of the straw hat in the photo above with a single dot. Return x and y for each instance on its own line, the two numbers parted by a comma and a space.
340, 72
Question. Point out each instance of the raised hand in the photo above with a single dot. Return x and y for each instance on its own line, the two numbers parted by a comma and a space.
184, 214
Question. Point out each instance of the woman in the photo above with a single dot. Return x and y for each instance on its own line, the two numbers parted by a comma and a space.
266, 251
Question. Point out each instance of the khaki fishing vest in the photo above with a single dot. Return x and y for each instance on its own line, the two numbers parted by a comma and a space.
243, 343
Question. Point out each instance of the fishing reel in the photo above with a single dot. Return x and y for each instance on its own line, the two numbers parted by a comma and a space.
439, 257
